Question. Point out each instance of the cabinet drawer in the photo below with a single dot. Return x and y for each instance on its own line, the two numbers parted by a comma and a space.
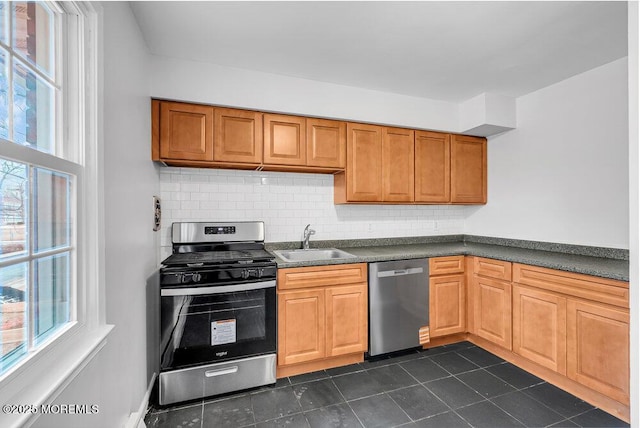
573, 284
319, 276
492, 268
446, 265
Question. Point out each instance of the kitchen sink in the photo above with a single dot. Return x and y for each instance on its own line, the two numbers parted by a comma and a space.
313, 254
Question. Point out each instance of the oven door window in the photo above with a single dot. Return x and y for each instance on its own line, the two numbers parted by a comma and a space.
210, 328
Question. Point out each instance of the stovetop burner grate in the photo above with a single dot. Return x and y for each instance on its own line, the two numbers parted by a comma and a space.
217, 257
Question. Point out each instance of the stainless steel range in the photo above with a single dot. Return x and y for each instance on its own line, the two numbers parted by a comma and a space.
218, 311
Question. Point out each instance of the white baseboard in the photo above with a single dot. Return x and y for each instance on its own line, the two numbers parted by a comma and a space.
136, 419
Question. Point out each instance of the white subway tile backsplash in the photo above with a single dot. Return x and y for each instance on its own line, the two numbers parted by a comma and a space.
287, 202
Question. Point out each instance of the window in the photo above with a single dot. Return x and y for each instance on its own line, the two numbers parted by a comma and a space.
38, 180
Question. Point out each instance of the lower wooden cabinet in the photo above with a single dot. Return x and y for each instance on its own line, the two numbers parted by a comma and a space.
598, 348
492, 310
447, 296
346, 314
301, 326
322, 314
539, 327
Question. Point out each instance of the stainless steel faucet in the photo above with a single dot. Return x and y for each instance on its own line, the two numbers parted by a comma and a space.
305, 237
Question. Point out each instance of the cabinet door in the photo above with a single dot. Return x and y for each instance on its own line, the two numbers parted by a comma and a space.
346, 309
186, 131
598, 348
492, 310
237, 136
539, 327
432, 166
284, 140
468, 170
326, 143
301, 326
397, 165
447, 305
364, 163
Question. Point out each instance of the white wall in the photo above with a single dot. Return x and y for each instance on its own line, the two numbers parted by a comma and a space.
634, 203
184, 80
287, 202
117, 378
562, 174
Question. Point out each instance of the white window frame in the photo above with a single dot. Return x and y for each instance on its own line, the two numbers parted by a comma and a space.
41, 376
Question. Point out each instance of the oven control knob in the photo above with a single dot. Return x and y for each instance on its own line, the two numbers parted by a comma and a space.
194, 277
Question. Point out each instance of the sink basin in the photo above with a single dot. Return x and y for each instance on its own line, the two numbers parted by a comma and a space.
313, 254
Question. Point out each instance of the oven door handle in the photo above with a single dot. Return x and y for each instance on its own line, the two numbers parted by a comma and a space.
199, 291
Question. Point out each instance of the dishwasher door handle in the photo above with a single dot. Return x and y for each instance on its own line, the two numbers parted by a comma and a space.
400, 272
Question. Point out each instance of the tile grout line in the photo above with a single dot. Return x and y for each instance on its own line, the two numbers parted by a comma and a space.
346, 401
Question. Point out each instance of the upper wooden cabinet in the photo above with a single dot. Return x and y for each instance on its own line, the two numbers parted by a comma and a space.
237, 136
185, 131
364, 163
397, 165
412, 167
468, 170
284, 140
198, 135
380, 165
326, 143
372, 163
294, 143
432, 166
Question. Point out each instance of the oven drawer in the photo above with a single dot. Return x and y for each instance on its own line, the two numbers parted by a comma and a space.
214, 379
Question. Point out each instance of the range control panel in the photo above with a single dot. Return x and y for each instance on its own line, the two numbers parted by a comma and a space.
219, 230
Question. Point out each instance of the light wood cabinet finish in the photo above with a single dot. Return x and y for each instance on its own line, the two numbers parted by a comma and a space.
364, 163
446, 265
447, 305
326, 143
237, 136
284, 140
397, 165
322, 316
468, 170
346, 311
492, 310
432, 167
321, 276
491, 268
185, 131
598, 348
301, 326
447, 296
573, 284
539, 327
372, 164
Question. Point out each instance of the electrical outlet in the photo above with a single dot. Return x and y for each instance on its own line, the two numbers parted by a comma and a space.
157, 213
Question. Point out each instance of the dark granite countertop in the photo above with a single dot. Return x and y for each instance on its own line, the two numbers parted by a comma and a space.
596, 261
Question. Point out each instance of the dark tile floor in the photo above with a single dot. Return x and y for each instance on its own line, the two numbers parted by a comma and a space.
457, 385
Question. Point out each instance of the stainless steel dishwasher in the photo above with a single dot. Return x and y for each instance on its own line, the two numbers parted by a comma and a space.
398, 304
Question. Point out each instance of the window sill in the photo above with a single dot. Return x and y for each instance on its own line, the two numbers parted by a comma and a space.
40, 381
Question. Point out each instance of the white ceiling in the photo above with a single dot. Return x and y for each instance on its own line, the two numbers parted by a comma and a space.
447, 50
